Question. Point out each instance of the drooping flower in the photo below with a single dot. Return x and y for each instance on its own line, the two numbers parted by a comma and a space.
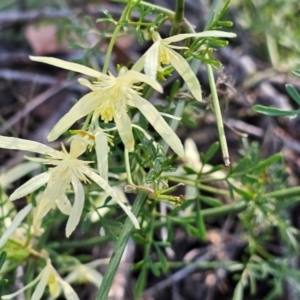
83, 273
65, 169
47, 277
109, 99
162, 53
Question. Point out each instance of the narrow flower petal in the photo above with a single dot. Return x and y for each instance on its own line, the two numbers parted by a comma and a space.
69, 293
192, 154
159, 124
139, 65
152, 60
63, 204
83, 107
54, 189
94, 277
139, 77
145, 133
204, 34
85, 82
30, 186
107, 188
30, 284
102, 153
24, 145
184, 69
40, 288
77, 208
15, 224
124, 127
170, 116
68, 66
17, 172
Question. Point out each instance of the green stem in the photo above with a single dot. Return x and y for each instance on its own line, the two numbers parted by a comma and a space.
91, 242
119, 249
233, 208
156, 8
179, 11
127, 166
218, 114
179, 16
147, 253
188, 28
203, 187
225, 210
285, 193
114, 37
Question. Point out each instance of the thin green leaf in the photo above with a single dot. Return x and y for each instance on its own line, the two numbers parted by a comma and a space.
86, 223
108, 15
213, 170
140, 283
2, 258
245, 194
154, 268
266, 163
210, 201
189, 170
293, 93
296, 72
3, 282
162, 259
139, 239
200, 222
238, 291
174, 89
242, 165
210, 152
162, 244
225, 23
274, 112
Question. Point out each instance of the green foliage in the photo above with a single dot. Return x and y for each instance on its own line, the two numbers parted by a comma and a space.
277, 112
276, 38
172, 193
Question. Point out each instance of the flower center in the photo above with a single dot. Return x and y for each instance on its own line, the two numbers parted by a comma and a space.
66, 166
114, 102
164, 56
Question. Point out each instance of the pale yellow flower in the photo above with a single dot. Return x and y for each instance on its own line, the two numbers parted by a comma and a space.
109, 100
65, 169
48, 277
162, 53
84, 273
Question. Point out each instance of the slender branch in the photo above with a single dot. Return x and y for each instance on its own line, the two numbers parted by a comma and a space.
156, 8
127, 165
285, 193
114, 37
119, 249
179, 16
218, 114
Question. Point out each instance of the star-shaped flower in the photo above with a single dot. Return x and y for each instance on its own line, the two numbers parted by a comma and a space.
65, 169
162, 53
109, 100
47, 277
